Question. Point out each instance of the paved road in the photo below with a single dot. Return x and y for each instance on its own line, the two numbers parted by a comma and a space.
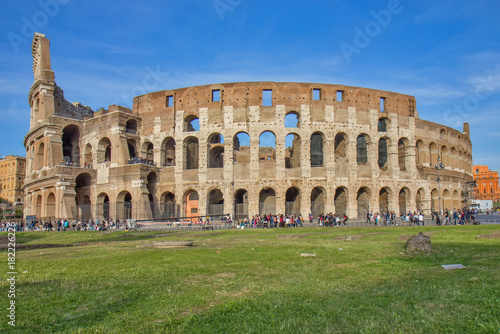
489, 219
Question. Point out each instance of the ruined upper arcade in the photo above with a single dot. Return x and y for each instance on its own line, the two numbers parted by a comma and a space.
241, 148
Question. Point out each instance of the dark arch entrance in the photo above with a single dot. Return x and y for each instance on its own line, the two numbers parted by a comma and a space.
71, 144
318, 195
340, 201
215, 203
363, 200
82, 210
241, 204
292, 201
267, 202
383, 201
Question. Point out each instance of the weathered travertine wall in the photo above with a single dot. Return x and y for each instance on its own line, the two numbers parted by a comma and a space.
183, 152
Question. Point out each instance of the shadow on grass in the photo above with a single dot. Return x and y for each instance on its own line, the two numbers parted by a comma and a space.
77, 309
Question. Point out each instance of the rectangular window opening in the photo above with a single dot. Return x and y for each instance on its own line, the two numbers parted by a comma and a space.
340, 95
215, 95
170, 101
382, 104
267, 97
316, 94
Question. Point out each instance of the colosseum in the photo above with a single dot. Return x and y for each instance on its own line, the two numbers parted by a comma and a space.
240, 148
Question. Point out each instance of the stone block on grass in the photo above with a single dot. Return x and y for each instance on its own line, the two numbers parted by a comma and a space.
419, 244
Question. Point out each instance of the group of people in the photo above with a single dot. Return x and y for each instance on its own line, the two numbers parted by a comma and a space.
139, 160
390, 218
66, 225
273, 221
291, 220
331, 219
455, 217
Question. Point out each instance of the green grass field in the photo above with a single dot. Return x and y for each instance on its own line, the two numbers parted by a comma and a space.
254, 281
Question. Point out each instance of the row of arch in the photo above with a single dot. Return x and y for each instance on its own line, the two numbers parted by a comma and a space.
425, 154
168, 205
432, 154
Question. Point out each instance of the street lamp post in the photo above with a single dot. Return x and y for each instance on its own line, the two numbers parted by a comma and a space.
438, 167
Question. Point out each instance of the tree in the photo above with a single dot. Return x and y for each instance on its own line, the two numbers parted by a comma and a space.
18, 213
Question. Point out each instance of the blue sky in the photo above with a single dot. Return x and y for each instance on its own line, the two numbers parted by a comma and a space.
444, 53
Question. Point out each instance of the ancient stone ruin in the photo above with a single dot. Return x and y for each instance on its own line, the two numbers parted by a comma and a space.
419, 243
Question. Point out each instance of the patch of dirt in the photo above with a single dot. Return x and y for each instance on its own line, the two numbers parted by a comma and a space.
291, 236
356, 236
406, 237
201, 234
224, 275
3, 242
492, 235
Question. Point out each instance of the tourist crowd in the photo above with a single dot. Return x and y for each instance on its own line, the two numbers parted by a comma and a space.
453, 217
66, 225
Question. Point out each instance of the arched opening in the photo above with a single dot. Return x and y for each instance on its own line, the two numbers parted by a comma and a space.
169, 206
71, 144
340, 201
317, 149
445, 157
442, 134
191, 199
340, 151
107, 154
420, 200
433, 154
363, 201
127, 205
382, 124
215, 151
361, 148
152, 196
191, 123
447, 204
104, 150
241, 148
382, 153
383, 200
292, 120
191, 153
292, 201
456, 200
40, 156
50, 206
267, 147
402, 154
340, 154
148, 152
131, 148
38, 207
404, 196
420, 155
103, 206
318, 197
292, 150
267, 202
168, 152
434, 200
453, 158
241, 204
131, 126
82, 198
215, 203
